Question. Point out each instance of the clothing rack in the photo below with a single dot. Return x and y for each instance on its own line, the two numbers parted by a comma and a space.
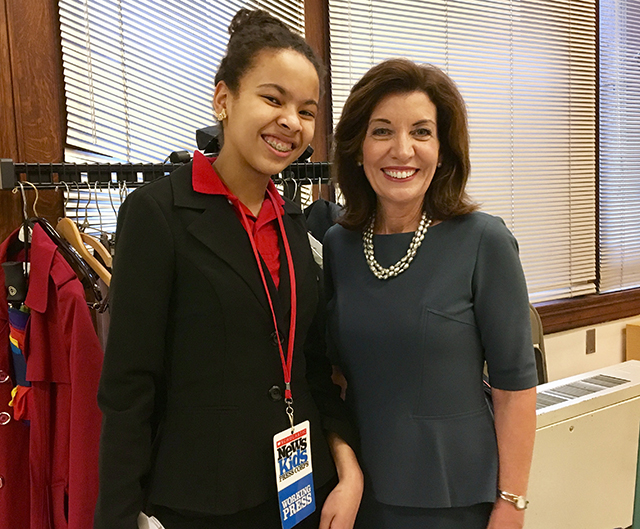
51, 175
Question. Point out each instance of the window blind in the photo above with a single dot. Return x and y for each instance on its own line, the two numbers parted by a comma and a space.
139, 74
619, 144
527, 71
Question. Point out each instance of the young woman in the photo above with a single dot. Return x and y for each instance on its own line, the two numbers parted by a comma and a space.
213, 294
423, 289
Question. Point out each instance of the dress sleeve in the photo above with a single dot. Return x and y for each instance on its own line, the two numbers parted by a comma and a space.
132, 379
501, 306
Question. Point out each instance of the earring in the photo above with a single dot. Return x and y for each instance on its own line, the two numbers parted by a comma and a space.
222, 115
359, 163
439, 164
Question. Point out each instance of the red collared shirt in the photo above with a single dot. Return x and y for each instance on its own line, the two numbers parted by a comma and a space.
263, 227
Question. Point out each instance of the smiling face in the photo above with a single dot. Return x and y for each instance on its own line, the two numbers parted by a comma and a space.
271, 119
401, 149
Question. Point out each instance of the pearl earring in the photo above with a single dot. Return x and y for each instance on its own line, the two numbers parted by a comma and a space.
359, 163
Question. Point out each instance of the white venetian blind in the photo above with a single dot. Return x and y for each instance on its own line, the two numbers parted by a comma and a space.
619, 144
527, 71
139, 74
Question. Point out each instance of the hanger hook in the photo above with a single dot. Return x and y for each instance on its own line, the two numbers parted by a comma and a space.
85, 222
111, 198
66, 196
24, 198
77, 186
35, 201
95, 192
285, 185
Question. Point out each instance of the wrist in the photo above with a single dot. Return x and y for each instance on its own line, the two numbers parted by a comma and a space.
345, 461
350, 473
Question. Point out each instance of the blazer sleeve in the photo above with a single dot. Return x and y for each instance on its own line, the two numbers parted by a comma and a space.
501, 306
336, 417
132, 378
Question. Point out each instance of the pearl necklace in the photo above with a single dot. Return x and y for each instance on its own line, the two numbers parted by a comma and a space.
402, 264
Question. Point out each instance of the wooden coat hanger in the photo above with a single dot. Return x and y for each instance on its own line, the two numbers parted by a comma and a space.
68, 229
98, 247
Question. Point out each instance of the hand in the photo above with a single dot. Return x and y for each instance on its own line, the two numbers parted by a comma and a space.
505, 516
341, 506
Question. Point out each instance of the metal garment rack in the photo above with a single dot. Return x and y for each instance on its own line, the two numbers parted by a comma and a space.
51, 175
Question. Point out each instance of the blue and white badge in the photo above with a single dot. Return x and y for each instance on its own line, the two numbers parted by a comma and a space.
294, 474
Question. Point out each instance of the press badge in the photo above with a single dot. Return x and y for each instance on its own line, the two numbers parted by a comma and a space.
294, 474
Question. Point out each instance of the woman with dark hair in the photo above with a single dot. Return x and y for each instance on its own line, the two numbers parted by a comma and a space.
422, 290
211, 392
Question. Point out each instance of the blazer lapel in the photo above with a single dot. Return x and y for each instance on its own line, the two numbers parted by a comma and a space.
218, 228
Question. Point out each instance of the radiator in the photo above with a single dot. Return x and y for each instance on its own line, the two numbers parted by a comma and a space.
585, 456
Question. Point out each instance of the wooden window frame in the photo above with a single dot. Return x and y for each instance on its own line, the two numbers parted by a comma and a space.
564, 315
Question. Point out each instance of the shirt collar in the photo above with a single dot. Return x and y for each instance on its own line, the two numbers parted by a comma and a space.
41, 256
206, 180
42, 253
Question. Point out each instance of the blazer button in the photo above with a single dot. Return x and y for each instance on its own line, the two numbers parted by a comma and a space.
275, 393
1, 482
274, 339
4, 377
4, 418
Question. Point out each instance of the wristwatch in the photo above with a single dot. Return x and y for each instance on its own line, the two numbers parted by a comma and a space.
519, 502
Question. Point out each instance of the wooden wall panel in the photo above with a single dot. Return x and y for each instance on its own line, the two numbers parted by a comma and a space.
38, 86
32, 105
316, 14
50, 206
8, 137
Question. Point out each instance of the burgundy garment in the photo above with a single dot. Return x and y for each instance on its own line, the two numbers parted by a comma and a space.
50, 467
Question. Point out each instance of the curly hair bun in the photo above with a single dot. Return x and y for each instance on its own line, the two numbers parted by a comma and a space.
254, 30
247, 18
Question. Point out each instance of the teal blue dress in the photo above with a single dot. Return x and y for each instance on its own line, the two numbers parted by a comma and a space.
413, 349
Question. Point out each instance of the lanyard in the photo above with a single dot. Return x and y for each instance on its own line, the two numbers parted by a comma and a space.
287, 361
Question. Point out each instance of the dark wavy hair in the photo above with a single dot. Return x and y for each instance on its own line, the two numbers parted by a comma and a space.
252, 31
446, 196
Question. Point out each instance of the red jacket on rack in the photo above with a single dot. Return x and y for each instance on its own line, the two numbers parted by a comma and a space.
49, 468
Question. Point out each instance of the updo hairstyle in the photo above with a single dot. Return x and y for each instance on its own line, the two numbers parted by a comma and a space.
446, 196
252, 31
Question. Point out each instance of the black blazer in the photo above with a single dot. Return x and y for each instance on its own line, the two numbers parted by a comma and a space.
189, 417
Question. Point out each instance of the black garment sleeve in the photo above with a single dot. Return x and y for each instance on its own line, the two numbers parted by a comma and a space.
336, 416
133, 372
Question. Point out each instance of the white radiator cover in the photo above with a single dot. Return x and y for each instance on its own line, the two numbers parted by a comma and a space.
585, 456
